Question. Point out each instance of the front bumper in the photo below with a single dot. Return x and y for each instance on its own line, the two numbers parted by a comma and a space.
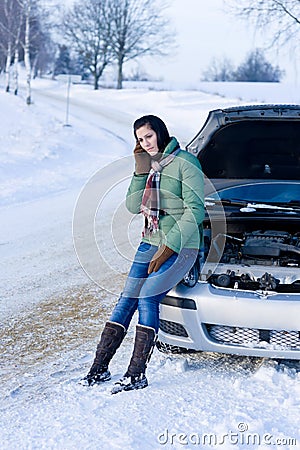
208, 318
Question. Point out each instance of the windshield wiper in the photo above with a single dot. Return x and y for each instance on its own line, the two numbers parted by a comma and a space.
225, 202
250, 206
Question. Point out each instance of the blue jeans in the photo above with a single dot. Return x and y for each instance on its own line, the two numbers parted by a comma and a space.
144, 292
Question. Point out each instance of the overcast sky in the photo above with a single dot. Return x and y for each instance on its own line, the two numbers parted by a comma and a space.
206, 31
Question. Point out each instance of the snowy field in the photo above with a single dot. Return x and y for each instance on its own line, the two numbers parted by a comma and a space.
52, 309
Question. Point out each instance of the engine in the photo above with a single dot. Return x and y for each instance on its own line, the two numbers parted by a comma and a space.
269, 247
243, 252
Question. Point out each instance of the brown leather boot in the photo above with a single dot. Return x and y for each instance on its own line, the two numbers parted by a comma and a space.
135, 377
111, 339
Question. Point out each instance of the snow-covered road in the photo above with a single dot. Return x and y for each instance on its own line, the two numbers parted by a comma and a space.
38, 257
52, 312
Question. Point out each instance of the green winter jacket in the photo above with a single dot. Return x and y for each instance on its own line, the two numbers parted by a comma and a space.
181, 200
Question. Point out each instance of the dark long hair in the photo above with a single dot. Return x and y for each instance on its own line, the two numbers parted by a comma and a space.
157, 125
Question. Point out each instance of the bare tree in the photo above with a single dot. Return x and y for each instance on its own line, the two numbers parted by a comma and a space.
89, 33
42, 47
16, 55
138, 28
16, 24
10, 31
280, 17
219, 70
256, 68
27, 7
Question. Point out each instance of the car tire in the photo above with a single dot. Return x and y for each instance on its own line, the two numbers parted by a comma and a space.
163, 347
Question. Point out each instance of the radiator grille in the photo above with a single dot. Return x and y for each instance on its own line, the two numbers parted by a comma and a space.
288, 338
172, 328
285, 340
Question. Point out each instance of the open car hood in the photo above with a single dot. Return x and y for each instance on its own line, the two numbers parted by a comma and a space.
250, 142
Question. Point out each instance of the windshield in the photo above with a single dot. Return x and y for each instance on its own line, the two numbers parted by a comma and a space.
281, 192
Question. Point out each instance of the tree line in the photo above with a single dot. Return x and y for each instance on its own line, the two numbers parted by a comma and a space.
22, 37
91, 35
255, 68
95, 34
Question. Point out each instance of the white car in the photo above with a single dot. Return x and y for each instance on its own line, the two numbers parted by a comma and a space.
246, 298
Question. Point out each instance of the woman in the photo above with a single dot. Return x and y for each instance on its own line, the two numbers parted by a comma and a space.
167, 188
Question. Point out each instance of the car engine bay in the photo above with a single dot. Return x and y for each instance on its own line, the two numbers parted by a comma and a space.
256, 260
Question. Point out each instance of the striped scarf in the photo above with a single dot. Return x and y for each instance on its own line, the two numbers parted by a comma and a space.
150, 206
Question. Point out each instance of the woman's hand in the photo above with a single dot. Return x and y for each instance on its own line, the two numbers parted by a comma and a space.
161, 256
142, 160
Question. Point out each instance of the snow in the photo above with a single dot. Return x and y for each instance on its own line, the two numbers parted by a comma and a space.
52, 309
